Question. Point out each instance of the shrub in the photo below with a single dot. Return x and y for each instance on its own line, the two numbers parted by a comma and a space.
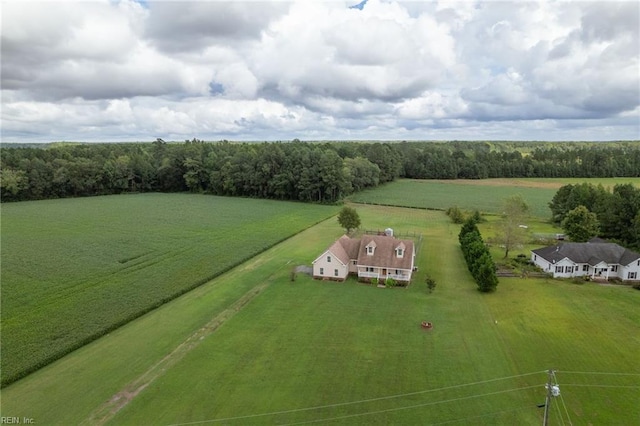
431, 284
455, 214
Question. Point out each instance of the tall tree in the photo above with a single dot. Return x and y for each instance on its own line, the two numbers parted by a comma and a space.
617, 219
349, 219
514, 212
580, 224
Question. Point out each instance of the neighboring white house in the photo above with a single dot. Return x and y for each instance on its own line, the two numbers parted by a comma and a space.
596, 259
372, 256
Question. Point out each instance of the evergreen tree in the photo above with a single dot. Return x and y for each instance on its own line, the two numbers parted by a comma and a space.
486, 274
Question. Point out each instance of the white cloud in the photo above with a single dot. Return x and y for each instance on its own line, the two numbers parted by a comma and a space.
121, 70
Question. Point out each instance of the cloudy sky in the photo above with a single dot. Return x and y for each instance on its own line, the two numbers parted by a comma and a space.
125, 70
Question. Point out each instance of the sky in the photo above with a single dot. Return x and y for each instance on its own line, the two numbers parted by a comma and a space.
125, 70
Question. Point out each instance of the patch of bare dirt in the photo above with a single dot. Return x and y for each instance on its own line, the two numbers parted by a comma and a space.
522, 183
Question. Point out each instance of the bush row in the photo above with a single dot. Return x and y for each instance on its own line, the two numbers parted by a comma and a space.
477, 256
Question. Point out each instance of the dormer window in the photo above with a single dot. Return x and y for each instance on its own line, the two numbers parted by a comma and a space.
371, 247
400, 250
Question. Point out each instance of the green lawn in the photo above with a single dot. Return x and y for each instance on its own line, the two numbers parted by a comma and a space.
74, 269
484, 195
347, 353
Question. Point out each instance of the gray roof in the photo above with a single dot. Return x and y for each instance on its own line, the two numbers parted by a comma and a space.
593, 252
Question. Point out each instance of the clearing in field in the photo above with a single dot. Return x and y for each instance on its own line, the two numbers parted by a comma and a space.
75, 269
309, 351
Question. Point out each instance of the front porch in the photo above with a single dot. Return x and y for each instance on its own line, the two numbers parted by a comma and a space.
403, 278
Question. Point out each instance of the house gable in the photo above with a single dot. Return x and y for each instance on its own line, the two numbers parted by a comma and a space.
328, 257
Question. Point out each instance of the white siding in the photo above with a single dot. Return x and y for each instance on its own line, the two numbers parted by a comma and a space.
563, 269
633, 267
541, 263
326, 265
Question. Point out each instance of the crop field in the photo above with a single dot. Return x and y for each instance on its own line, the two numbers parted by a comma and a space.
75, 269
254, 347
486, 195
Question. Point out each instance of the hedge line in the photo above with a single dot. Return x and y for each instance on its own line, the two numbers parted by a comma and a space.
477, 256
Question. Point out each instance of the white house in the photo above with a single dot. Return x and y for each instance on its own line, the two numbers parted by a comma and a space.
596, 259
372, 256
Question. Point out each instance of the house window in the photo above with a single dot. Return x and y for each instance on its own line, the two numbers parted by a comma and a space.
335, 272
328, 259
535, 257
585, 268
321, 271
399, 252
369, 269
354, 262
568, 269
559, 269
632, 275
369, 250
614, 268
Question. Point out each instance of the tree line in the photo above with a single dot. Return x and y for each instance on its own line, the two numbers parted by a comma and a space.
616, 211
310, 172
285, 171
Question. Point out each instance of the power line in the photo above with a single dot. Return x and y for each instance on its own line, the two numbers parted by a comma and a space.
598, 372
602, 386
295, 410
559, 414
368, 413
563, 404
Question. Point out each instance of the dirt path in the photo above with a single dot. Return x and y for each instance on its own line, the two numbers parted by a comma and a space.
547, 184
109, 409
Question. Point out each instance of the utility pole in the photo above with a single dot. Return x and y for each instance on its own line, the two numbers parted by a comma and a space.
547, 401
552, 391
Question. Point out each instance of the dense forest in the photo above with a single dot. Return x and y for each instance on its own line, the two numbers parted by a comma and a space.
304, 171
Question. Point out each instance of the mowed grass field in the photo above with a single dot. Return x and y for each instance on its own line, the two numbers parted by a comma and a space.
253, 347
73, 269
485, 195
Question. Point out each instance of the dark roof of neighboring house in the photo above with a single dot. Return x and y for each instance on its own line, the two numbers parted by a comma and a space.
384, 255
592, 252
